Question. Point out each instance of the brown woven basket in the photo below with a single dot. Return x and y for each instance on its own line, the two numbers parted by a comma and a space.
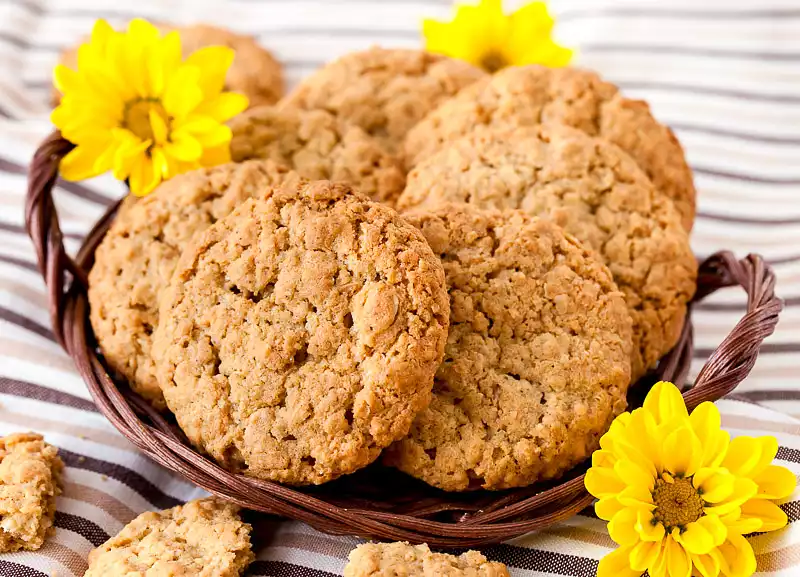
376, 502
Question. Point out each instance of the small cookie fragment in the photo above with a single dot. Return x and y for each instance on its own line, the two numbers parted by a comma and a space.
204, 538
254, 72
318, 147
30, 480
403, 559
299, 336
529, 95
537, 361
384, 91
135, 260
595, 192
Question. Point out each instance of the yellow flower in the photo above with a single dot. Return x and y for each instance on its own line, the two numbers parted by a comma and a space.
679, 494
485, 36
136, 107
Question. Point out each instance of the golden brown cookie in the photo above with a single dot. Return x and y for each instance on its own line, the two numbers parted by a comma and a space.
318, 147
299, 336
254, 72
204, 538
537, 361
30, 481
403, 559
524, 96
595, 192
384, 91
139, 252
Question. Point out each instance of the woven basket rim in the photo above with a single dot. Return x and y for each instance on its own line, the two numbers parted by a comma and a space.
403, 508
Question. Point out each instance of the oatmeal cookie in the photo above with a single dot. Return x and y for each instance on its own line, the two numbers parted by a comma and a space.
594, 191
537, 361
254, 72
523, 96
30, 481
318, 147
139, 252
299, 336
393, 559
204, 538
384, 91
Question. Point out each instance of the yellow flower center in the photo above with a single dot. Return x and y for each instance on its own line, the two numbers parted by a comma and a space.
493, 61
677, 502
137, 117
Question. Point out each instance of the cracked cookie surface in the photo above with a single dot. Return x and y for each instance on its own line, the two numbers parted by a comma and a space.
403, 559
205, 538
300, 335
384, 91
594, 191
30, 481
537, 361
529, 95
319, 147
138, 254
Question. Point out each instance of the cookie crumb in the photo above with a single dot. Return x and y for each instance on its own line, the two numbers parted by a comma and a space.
30, 480
393, 559
206, 538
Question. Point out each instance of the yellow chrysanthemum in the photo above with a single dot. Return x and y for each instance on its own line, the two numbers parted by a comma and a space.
485, 36
136, 107
679, 494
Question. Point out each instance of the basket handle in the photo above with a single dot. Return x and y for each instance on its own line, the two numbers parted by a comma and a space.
41, 222
733, 360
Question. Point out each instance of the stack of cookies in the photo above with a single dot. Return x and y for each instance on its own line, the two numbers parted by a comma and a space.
411, 260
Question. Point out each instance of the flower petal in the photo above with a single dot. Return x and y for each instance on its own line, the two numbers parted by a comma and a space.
678, 562
696, 539
715, 527
183, 147
216, 155
636, 497
225, 106
748, 456
622, 527
607, 508
182, 93
603, 458
706, 565
644, 554
714, 485
214, 61
79, 163
616, 564
706, 423
633, 475
665, 403
743, 489
648, 528
736, 557
682, 453
771, 516
143, 178
159, 127
775, 482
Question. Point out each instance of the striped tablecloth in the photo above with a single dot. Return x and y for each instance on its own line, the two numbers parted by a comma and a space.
724, 74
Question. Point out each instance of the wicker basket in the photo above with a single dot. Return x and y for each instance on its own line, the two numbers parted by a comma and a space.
375, 502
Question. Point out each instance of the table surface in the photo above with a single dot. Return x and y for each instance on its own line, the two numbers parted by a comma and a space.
724, 75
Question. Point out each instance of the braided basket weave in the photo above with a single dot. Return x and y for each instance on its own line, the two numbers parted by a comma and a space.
375, 502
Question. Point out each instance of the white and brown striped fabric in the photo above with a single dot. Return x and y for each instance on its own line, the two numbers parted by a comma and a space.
724, 74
